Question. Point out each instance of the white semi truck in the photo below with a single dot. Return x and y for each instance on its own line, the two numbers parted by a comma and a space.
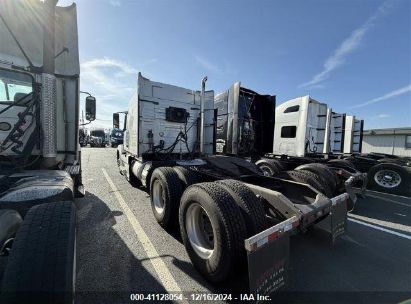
227, 210
307, 129
40, 164
300, 127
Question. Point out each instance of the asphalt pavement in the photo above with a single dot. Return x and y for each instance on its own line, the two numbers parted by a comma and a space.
122, 251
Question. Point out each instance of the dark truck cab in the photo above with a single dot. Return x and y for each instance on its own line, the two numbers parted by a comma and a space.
98, 138
116, 137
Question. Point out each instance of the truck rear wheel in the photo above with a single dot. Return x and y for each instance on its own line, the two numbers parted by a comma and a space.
212, 229
42, 262
270, 167
323, 172
342, 163
324, 185
186, 176
304, 177
165, 194
250, 206
390, 178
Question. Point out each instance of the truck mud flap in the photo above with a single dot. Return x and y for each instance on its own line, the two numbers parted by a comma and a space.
335, 223
268, 257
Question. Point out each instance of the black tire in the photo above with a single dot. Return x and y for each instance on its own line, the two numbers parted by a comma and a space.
303, 177
342, 163
41, 265
10, 222
270, 167
250, 206
168, 190
324, 172
325, 189
186, 176
403, 187
229, 230
389, 161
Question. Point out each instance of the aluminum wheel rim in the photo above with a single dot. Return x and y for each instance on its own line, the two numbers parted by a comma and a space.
387, 178
200, 231
158, 197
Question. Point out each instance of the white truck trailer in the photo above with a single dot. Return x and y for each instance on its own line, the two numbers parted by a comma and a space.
40, 164
225, 208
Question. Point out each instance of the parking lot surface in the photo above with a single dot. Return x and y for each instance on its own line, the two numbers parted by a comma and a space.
122, 250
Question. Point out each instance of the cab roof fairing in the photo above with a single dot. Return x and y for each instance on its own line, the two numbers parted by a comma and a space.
28, 29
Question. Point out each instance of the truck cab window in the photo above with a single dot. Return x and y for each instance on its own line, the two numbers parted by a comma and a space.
292, 109
15, 87
408, 142
98, 133
288, 131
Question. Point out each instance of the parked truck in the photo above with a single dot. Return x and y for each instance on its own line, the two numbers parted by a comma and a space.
83, 138
250, 126
98, 138
116, 137
227, 211
303, 130
40, 164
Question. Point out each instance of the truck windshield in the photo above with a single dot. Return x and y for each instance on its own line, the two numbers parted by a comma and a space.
98, 133
15, 87
117, 132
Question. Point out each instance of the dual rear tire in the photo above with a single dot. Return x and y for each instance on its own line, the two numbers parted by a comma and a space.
324, 175
270, 167
214, 218
167, 185
307, 177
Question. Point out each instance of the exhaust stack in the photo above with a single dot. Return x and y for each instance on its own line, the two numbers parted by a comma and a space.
48, 107
203, 82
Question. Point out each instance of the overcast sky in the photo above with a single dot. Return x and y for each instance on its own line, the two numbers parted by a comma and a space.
353, 55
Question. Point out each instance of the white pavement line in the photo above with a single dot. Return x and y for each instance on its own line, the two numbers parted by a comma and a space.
389, 200
381, 229
386, 194
160, 267
384, 224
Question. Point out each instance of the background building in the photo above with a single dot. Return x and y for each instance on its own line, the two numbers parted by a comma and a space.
395, 141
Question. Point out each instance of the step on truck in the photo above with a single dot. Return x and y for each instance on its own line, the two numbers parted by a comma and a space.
250, 126
40, 167
229, 214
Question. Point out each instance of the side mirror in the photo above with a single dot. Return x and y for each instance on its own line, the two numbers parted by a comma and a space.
116, 121
90, 108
